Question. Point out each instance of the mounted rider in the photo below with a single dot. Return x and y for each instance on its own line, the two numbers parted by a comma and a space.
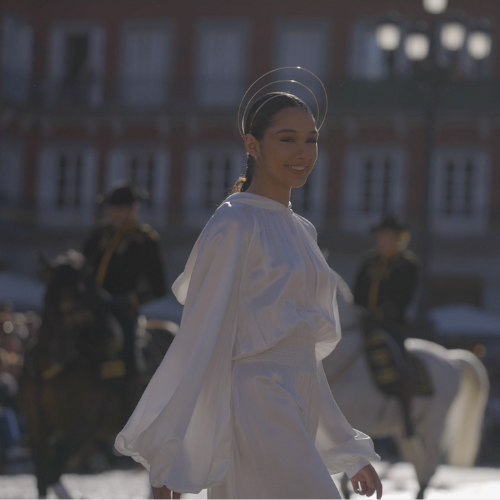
385, 285
125, 258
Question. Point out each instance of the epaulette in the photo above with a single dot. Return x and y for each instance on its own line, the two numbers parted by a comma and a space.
147, 229
410, 256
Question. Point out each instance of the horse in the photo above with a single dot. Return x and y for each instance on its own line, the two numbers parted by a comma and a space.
447, 424
73, 390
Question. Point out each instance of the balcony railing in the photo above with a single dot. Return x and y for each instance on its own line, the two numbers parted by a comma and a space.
177, 95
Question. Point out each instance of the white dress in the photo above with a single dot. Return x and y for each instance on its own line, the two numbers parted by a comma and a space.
240, 404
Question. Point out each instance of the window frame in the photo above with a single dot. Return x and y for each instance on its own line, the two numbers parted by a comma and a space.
352, 218
244, 28
166, 26
48, 213
477, 224
56, 55
157, 213
196, 213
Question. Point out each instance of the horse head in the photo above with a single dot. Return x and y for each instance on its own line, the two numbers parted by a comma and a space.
74, 319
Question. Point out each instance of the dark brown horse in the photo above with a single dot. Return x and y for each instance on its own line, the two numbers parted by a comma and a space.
73, 389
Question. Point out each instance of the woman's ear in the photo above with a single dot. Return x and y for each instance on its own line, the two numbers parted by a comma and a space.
252, 145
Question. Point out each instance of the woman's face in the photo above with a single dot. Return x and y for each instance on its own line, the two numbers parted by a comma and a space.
287, 153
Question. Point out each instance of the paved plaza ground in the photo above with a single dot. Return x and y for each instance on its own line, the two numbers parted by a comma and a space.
398, 479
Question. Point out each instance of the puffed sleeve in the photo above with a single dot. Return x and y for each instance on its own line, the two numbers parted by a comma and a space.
342, 448
181, 428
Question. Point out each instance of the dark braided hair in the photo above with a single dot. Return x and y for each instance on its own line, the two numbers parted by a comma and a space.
259, 119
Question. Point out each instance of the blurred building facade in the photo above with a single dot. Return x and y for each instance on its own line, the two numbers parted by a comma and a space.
94, 92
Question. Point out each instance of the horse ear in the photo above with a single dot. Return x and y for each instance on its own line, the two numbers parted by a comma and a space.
44, 262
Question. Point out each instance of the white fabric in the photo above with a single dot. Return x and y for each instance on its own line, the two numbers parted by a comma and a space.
254, 280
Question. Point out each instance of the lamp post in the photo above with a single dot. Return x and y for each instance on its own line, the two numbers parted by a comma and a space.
422, 44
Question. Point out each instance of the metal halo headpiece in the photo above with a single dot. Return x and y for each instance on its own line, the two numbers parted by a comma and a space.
241, 122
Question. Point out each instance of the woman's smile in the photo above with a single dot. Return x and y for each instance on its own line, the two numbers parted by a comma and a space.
297, 169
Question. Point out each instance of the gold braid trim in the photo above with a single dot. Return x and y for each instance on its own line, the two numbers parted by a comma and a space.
110, 250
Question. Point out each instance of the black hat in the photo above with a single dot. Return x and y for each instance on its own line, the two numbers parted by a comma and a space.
123, 194
391, 223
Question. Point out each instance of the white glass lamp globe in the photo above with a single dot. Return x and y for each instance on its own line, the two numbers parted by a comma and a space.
453, 36
479, 45
417, 46
388, 36
435, 6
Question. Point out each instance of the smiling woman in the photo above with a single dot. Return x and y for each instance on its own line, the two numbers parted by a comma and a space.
241, 404
281, 144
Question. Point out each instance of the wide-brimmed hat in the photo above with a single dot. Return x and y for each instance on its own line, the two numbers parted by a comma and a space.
390, 223
123, 194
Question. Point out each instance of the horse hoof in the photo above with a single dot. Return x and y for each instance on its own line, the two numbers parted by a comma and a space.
421, 493
60, 490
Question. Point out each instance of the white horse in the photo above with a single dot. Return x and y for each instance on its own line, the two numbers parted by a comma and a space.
447, 423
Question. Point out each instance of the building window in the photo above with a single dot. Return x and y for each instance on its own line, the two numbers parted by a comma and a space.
11, 170
76, 64
147, 167
460, 198
147, 62
369, 62
375, 185
16, 59
304, 44
310, 200
222, 62
66, 185
210, 176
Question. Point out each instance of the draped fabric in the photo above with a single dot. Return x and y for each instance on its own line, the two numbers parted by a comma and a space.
255, 278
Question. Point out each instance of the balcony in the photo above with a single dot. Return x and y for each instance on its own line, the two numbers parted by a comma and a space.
178, 96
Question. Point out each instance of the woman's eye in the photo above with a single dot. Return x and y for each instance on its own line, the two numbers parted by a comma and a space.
313, 141
287, 139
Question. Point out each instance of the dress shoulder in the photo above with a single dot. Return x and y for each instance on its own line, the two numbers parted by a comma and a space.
308, 225
232, 217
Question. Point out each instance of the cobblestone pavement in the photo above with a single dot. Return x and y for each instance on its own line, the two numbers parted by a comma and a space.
399, 483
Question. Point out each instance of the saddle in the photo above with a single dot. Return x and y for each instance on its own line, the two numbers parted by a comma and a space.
386, 361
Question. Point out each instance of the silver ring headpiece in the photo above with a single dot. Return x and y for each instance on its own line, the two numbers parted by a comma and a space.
241, 117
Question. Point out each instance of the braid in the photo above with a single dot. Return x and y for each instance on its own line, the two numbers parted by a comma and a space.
243, 183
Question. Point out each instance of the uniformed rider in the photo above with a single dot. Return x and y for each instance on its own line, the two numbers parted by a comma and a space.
385, 284
125, 258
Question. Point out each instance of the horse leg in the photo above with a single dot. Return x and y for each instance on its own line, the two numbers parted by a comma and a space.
60, 490
37, 429
344, 486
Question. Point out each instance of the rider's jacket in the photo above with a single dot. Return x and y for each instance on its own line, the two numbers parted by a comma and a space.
386, 286
127, 262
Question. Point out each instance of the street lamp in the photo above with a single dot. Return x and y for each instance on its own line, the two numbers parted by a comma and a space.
435, 6
388, 36
417, 46
452, 34
479, 45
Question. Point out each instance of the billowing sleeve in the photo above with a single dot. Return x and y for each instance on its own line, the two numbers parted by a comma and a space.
181, 428
342, 448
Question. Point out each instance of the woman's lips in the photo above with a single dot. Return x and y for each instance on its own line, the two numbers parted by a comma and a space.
297, 169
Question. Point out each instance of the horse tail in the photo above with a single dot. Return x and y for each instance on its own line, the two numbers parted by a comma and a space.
462, 432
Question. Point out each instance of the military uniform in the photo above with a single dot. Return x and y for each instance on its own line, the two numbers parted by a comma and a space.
127, 264
386, 286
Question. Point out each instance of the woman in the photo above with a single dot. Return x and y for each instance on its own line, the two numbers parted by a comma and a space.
240, 404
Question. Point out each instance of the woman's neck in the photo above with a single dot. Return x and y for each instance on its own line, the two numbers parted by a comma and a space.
276, 192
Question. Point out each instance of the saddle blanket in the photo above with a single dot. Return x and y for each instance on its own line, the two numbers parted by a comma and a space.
386, 359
